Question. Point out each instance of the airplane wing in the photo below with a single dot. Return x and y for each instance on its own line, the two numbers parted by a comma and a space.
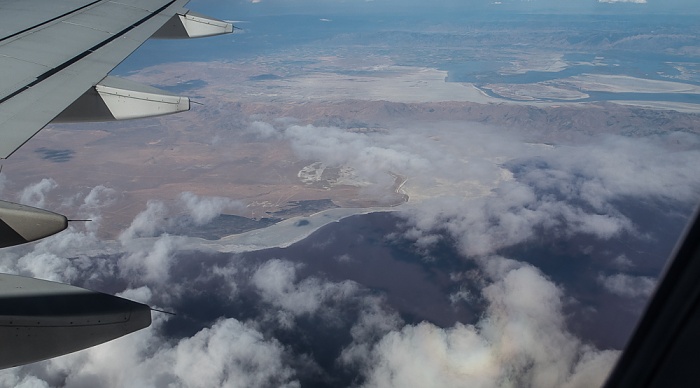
54, 61
55, 57
54, 52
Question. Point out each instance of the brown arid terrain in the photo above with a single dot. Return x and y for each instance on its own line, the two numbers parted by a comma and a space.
212, 151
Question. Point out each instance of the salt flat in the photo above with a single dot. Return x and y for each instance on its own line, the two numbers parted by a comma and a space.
662, 105
626, 84
395, 84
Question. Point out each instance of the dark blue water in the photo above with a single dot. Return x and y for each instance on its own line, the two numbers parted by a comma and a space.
632, 45
260, 35
642, 65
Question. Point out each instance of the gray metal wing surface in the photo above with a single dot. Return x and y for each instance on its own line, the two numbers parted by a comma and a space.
53, 52
54, 61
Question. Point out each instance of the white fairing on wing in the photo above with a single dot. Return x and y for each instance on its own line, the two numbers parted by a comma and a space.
135, 103
198, 26
192, 25
115, 98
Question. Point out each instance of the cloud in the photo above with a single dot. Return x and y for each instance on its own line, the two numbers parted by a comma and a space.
35, 194
251, 320
521, 341
622, 262
373, 154
627, 285
152, 267
373, 158
568, 189
98, 197
262, 129
564, 191
518, 192
10, 380
151, 264
522, 336
276, 282
147, 223
513, 215
227, 354
231, 354
204, 209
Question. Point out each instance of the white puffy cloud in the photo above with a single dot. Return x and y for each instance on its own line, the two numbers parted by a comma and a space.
373, 155
231, 354
227, 354
522, 336
98, 198
10, 380
147, 223
372, 324
35, 194
204, 209
491, 190
511, 216
151, 263
521, 340
614, 166
628, 285
262, 129
518, 190
276, 280
141, 294
564, 191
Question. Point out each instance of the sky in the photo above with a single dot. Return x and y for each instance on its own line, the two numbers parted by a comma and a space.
304, 315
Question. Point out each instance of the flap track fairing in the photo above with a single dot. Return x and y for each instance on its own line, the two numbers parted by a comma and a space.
116, 98
192, 25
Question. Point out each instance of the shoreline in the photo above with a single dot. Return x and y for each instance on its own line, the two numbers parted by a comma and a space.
283, 233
